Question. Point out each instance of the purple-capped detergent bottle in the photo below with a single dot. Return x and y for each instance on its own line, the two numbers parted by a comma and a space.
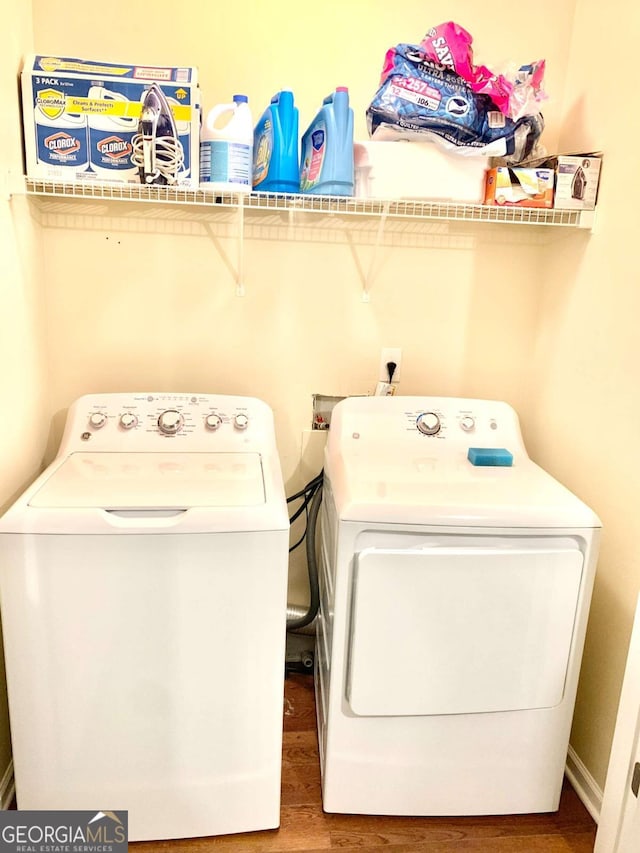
326, 156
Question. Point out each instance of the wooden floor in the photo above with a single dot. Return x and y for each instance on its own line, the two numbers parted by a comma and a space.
305, 827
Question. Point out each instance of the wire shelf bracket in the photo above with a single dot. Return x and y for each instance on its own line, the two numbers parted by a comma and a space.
292, 206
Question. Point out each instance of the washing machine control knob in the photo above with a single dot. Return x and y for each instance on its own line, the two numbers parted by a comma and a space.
128, 420
241, 421
467, 423
97, 420
170, 422
428, 423
213, 421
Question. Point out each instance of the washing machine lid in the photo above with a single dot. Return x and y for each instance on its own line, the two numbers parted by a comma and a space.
427, 489
134, 481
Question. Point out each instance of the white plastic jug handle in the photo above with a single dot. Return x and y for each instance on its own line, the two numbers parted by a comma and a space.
215, 112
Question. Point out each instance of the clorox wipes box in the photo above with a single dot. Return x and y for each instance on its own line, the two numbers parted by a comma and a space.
81, 120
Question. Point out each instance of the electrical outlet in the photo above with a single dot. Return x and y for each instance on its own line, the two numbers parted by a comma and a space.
388, 354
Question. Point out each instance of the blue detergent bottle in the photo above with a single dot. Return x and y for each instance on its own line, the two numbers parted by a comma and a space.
326, 157
275, 147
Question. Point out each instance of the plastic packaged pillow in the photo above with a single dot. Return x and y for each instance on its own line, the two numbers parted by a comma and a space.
517, 94
425, 100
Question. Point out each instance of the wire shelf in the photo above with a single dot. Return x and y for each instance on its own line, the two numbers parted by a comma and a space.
333, 205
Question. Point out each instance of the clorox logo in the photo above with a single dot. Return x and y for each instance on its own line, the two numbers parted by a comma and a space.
62, 144
50, 103
114, 147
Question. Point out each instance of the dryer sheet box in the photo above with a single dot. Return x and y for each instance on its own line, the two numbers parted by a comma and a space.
516, 186
417, 170
81, 117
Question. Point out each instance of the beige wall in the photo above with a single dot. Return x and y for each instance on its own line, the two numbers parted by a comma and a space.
25, 413
583, 426
260, 47
159, 311
162, 298
485, 311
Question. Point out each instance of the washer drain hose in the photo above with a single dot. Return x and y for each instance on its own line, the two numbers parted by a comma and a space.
294, 623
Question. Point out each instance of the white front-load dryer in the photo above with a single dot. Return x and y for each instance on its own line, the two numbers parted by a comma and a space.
455, 580
143, 579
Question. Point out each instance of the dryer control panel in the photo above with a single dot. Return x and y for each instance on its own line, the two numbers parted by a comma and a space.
443, 424
186, 422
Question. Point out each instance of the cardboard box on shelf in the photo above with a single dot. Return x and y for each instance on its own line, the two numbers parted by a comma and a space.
577, 180
417, 170
81, 118
520, 187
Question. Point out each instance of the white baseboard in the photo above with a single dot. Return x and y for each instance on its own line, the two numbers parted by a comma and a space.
584, 784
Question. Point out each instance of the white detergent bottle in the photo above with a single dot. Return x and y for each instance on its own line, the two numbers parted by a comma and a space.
226, 148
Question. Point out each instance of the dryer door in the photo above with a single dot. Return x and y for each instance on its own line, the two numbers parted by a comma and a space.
461, 630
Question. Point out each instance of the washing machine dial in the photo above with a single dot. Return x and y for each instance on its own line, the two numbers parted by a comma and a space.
467, 423
428, 423
241, 421
97, 420
170, 422
213, 422
128, 420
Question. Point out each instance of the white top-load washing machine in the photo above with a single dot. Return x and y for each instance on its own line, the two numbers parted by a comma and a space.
456, 577
143, 579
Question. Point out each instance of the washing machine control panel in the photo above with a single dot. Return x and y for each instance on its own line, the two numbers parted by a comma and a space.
170, 422
207, 422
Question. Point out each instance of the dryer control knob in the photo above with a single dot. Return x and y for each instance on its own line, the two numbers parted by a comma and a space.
97, 420
428, 423
467, 423
213, 421
241, 421
128, 420
170, 422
